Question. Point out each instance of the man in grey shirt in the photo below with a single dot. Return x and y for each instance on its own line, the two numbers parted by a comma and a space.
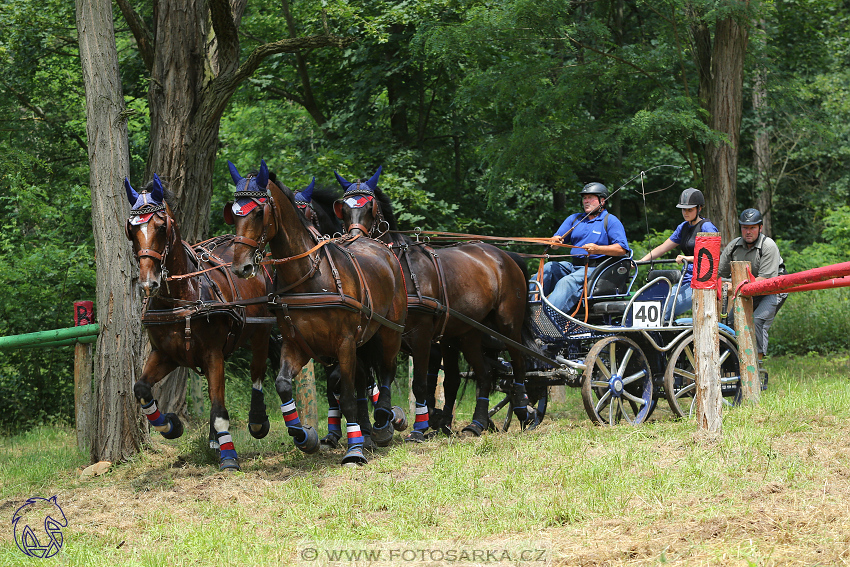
763, 255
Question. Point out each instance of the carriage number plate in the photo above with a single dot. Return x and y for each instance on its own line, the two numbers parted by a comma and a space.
646, 314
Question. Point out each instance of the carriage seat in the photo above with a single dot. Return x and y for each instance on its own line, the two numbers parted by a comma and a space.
609, 308
673, 275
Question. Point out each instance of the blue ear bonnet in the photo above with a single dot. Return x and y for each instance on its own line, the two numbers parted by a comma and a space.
358, 187
306, 194
145, 202
250, 186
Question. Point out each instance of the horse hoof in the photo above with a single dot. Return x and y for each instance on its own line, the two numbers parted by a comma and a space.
383, 436
310, 443
259, 430
415, 437
472, 430
229, 465
330, 441
399, 419
354, 456
176, 426
369, 444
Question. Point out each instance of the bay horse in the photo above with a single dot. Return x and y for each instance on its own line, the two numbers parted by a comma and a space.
316, 204
184, 289
340, 299
475, 280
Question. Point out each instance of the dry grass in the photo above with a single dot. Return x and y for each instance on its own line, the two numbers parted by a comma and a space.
773, 490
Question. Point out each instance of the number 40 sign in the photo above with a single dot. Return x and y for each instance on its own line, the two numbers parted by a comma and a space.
646, 314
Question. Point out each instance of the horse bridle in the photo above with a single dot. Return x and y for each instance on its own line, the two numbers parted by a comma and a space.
377, 216
161, 212
268, 223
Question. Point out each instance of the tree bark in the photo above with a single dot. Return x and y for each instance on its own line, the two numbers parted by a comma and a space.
761, 146
721, 176
117, 428
720, 65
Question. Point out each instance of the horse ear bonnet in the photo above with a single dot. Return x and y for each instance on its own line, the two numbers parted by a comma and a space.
373, 181
250, 192
345, 184
132, 196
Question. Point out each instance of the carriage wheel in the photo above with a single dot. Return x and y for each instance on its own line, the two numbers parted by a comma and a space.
617, 382
680, 376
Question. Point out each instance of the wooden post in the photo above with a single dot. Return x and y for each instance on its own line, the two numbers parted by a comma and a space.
305, 395
558, 394
440, 394
709, 399
83, 315
745, 332
82, 393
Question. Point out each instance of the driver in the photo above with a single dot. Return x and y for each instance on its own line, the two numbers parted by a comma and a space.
596, 233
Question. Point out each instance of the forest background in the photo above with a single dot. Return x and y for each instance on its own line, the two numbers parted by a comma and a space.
487, 117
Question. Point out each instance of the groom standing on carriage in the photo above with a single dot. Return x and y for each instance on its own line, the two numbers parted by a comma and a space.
594, 234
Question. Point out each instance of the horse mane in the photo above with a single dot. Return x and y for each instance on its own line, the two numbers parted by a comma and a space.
287, 192
323, 205
386, 209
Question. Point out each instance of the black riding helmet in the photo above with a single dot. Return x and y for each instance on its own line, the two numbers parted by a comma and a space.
595, 189
750, 217
691, 198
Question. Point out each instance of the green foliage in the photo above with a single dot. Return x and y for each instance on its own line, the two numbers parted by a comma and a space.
812, 322
46, 263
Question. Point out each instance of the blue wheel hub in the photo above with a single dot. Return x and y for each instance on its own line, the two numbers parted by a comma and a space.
615, 384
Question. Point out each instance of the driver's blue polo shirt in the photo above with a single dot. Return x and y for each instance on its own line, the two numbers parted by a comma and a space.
593, 232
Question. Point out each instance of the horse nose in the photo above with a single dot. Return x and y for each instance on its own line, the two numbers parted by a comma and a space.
244, 271
150, 288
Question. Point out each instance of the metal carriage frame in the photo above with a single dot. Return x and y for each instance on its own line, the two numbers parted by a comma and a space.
618, 349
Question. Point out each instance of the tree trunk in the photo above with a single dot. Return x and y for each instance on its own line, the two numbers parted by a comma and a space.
726, 105
761, 146
117, 427
720, 65
183, 144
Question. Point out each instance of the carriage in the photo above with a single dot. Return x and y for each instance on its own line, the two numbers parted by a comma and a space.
618, 348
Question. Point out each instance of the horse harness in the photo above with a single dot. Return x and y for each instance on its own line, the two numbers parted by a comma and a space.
282, 300
417, 301
213, 305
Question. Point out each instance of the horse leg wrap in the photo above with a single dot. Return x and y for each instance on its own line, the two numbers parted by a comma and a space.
354, 454
331, 440
258, 419
421, 422
382, 434
169, 425
304, 436
227, 456
373, 392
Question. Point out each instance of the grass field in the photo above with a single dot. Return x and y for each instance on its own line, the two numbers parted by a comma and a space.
773, 490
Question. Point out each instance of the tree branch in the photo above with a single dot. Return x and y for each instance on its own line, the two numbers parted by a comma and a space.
144, 37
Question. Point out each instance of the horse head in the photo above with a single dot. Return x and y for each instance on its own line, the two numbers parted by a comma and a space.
304, 202
152, 231
358, 209
252, 217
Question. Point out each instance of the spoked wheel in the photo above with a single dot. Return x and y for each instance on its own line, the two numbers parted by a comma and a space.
617, 382
680, 377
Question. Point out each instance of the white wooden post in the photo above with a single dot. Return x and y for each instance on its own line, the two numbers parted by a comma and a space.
709, 399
